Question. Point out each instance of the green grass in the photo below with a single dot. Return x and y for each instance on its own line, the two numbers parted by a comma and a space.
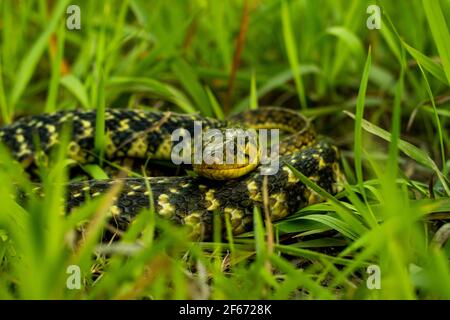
292, 54
381, 95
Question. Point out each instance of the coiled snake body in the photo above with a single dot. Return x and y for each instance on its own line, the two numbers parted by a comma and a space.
186, 200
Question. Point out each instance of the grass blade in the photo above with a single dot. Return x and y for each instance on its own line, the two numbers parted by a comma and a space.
29, 63
140, 84
350, 39
429, 65
436, 117
358, 119
190, 82
218, 112
333, 223
253, 93
410, 150
395, 130
76, 87
291, 49
4, 109
440, 32
52, 95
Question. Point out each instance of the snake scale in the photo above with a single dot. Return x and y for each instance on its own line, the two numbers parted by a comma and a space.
186, 200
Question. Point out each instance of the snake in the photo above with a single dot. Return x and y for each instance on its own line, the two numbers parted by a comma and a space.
231, 190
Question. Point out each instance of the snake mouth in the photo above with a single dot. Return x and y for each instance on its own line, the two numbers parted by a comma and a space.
232, 166
225, 171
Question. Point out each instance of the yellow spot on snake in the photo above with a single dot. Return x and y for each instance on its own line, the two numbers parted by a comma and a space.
53, 139
109, 115
292, 178
51, 128
322, 163
194, 220
87, 129
85, 124
138, 147
20, 138
110, 149
140, 113
110, 146
87, 133
278, 205
123, 125
74, 152
253, 191
23, 152
211, 200
115, 210
167, 209
313, 197
164, 149
65, 117
236, 218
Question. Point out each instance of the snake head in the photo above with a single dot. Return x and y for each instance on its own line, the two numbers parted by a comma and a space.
227, 153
